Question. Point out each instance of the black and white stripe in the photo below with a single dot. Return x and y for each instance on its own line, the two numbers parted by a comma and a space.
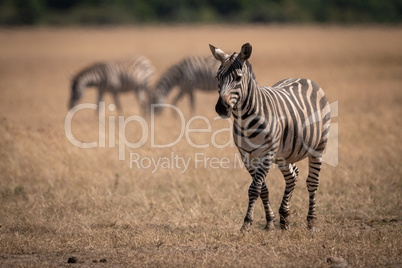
131, 74
282, 124
190, 74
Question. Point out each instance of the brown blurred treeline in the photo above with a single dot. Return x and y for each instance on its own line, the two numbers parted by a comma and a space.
115, 12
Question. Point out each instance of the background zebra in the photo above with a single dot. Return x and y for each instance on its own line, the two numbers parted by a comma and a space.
188, 75
282, 124
131, 74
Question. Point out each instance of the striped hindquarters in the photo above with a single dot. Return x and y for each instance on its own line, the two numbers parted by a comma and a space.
129, 74
303, 117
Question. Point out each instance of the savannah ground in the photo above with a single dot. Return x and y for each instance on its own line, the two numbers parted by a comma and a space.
59, 201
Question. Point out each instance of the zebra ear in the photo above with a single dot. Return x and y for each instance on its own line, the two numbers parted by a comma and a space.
245, 52
218, 54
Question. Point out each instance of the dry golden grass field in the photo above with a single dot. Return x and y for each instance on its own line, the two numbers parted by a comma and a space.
59, 201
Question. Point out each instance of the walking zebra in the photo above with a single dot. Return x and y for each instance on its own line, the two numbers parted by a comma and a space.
188, 75
282, 124
131, 74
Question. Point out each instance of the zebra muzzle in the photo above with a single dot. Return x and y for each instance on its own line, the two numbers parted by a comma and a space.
222, 108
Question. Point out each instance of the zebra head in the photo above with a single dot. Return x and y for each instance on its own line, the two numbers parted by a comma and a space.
232, 78
76, 93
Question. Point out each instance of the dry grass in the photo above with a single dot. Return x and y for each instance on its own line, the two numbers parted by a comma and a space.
59, 201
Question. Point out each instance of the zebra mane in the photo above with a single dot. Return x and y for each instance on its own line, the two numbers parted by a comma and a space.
232, 64
88, 68
84, 74
190, 70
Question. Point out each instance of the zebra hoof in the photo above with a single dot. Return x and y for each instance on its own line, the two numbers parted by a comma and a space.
270, 226
285, 226
246, 227
312, 224
337, 262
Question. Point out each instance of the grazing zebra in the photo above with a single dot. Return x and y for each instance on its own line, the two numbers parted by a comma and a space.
282, 124
188, 75
132, 74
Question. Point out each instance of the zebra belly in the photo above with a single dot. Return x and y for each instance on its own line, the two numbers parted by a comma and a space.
296, 148
283, 158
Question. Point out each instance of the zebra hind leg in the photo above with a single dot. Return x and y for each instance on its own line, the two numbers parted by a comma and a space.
289, 172
269, 214
315, 163
117, 101
100, 98
143, 100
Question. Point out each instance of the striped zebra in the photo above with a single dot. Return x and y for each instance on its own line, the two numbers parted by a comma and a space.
131, 74
189, 74
282, 124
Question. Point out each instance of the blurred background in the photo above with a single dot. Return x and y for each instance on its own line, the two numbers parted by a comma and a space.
95, 12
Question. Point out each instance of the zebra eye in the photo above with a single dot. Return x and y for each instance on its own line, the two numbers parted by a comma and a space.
238, 78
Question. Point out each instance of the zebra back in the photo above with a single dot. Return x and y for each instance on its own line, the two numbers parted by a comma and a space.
189, 74
302, 118
131, 74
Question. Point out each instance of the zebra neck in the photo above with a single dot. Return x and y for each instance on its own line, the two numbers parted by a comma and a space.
168, 81
256, 107
245, 107
91, 77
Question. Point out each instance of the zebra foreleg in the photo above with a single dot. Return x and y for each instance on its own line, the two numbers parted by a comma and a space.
178, 96
315, 163
254, 192
269, 214
289, 172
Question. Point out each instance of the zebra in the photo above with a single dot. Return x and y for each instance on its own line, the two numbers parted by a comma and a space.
132, 74
282, 124
189, 74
